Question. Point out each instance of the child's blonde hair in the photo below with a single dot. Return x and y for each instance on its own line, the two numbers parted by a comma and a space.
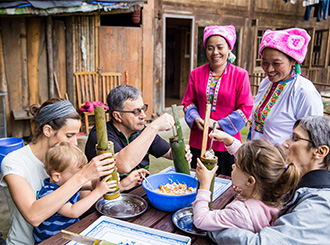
267, 164
62, 155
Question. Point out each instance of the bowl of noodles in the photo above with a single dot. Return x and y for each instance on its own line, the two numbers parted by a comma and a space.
170, 191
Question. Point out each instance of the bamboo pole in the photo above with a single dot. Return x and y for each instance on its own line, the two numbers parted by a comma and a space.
178, 147
105, 146
206, 129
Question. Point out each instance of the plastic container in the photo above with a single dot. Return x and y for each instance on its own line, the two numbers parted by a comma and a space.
169, 203
8, 145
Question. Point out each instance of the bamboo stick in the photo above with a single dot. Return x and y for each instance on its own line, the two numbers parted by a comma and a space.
206, 129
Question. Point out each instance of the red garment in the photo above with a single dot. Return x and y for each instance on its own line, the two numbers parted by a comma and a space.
234, 99
89, 106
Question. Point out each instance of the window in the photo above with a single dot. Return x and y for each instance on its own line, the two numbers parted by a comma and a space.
260, 33
201, 55
306, 62
320, 48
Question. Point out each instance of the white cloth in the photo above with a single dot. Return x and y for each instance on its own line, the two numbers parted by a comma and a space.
310, 2
21, 162
299, 99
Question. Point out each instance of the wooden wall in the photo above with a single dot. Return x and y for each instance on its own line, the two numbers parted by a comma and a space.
248, 16
38, 56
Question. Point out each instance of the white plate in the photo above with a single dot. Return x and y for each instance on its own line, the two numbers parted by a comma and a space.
123, 232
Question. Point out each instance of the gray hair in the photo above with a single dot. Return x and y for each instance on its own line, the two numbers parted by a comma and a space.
318, 129
119, 95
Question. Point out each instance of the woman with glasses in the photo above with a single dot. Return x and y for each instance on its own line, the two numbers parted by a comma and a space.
284, 95
305, 218
133, 141
223, 85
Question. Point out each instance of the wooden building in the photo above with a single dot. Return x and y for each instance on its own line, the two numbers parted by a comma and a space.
156, 54
179, 38
41, 47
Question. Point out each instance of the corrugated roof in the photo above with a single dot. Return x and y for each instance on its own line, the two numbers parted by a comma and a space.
45, 8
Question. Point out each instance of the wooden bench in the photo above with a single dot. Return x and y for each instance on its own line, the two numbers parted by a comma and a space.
92, 86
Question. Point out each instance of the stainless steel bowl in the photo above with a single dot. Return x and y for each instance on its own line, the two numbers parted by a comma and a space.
183, 220
124, 207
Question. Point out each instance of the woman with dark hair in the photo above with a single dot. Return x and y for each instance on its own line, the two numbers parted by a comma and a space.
284, 95
23, 170
223, 85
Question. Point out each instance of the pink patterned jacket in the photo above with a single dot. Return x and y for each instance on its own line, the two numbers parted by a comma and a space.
233, 107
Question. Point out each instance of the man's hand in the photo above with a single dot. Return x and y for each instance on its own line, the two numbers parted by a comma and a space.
163, 123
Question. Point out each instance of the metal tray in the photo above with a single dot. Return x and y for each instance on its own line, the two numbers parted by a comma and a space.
124, 207
183, 220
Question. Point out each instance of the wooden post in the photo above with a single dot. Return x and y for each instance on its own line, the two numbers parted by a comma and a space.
69, 58
33, 38
61, 58
206, 129
50, 64
24, 67
147, 57
3, 80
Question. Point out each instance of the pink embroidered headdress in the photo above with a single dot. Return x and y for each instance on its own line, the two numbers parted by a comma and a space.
227, 32
293, 42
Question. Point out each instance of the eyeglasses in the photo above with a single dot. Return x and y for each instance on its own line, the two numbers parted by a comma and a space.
295, 138
137, 111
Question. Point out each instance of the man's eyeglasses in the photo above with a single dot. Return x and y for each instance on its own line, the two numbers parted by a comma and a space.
137, 111
295, 138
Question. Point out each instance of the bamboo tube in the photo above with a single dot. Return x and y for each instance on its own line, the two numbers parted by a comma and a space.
105, 146
206, 129
178, 147
210, 163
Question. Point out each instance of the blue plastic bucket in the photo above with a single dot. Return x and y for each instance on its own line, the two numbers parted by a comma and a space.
9, 144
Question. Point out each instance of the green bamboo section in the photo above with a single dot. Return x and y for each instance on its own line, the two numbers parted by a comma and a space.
210, 164
177, 122
178, 147
105, 146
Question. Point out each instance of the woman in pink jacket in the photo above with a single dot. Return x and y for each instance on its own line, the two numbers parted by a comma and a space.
226, 87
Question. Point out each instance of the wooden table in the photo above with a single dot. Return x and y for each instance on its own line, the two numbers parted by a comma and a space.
152, 217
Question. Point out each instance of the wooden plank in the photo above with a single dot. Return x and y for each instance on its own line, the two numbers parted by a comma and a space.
50, 64
97, 24
56, 50
33, 38
120, 49
25, 83
3, 80
42, 65
166, 224
69, 58
61, 58
22, 114
12, 58
148, 57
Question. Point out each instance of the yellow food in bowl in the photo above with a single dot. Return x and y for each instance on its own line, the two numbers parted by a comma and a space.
175, 189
